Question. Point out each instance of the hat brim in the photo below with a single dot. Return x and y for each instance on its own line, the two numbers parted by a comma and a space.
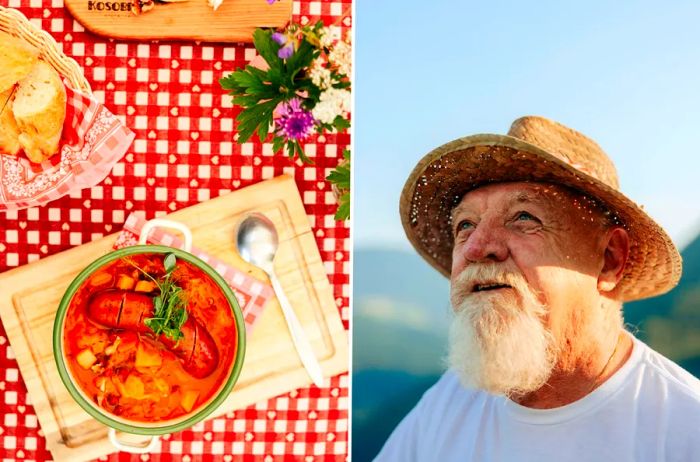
445, 174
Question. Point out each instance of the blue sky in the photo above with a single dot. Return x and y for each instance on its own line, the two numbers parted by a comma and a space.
627, 74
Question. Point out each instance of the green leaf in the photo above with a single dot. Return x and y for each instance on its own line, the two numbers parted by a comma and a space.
246, 101
343, 211
340, 177
228, 82
249, 119
340, 123
169, 262
262, 75
277, 143
275, 78
301, 58
157, 305
247, 80
152, 324
300, 152
263, 129
343, 84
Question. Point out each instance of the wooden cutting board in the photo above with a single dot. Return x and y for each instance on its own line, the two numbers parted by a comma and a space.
30, 295
233, 21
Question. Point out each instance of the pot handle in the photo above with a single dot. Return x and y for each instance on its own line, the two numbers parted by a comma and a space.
163, 223
132, 448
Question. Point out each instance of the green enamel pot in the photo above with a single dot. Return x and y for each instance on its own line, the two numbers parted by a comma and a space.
137, 427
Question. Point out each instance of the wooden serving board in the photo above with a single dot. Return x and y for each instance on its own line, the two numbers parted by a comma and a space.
233, 21
30, 295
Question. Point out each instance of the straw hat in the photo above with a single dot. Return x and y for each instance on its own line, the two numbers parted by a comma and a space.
535, 149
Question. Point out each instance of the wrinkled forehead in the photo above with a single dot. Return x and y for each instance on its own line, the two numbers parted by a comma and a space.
556, 197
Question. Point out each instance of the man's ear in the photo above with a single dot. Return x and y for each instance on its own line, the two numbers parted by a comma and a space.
617, 249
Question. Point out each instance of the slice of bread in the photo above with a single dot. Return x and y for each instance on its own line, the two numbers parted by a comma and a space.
9, 132
17, 59
40, 109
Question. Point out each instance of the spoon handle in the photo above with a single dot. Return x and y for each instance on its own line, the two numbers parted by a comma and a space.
301, 342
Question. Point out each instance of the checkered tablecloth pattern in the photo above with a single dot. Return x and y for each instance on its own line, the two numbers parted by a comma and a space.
184, 153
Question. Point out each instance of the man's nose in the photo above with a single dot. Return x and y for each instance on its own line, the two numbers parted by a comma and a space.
486, 243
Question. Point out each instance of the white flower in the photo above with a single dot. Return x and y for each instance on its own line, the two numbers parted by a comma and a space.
320, 75
325, 38
333, 102
341, 57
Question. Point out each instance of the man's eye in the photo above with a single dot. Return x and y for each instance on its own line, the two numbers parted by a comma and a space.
521, 216
463, 225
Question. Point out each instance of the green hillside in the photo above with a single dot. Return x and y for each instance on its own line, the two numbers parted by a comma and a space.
671, 323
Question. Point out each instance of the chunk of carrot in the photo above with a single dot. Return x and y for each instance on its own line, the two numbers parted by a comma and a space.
86, 359
188, 399
125, 282
100, 279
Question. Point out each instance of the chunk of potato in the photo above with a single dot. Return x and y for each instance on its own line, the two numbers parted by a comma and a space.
125, 282
188, 399
145, 286
133, 387
86, 359
147, 356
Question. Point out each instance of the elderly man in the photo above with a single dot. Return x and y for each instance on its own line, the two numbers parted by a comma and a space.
542, 249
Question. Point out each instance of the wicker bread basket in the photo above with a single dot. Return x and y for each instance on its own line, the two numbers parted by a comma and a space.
15, 23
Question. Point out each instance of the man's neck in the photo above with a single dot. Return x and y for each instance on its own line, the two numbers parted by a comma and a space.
569, 384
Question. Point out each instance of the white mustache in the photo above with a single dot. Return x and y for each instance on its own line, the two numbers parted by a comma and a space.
474, 276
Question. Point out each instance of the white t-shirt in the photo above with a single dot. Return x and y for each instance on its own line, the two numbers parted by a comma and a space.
649, 410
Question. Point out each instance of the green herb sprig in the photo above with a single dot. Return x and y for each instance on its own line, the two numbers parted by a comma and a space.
170, 306
340, 177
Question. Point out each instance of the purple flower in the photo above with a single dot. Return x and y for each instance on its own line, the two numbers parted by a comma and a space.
279, 38
286, 51
270, 2
293, 122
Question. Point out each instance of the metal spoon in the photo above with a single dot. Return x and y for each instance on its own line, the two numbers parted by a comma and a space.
257, 243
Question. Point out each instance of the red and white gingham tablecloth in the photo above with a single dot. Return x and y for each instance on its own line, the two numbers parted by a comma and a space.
184, 153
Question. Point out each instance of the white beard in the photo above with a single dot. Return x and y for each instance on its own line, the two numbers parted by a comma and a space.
497, 340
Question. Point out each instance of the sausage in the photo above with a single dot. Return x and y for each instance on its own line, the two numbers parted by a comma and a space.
196, 349
123, 309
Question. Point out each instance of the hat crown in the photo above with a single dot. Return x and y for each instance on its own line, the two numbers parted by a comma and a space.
570, 146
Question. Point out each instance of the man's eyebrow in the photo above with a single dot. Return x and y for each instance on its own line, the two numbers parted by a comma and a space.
529, 197
456, 210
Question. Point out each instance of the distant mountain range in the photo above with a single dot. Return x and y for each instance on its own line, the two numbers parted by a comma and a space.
400, 318
400, 310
